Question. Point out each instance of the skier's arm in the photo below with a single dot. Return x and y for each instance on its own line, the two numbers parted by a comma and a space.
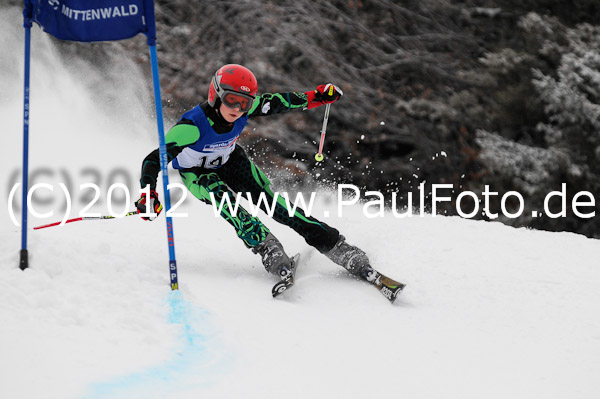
178, 137
276, 103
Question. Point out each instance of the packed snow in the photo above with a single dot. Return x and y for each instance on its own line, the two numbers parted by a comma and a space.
489, 311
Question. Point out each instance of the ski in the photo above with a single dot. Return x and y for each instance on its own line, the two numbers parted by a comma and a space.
288, 280
389, 288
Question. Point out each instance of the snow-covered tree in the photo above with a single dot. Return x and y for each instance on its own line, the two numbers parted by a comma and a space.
562, 69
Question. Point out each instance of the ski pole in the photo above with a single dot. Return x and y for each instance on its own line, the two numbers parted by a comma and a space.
84, 218
319, 157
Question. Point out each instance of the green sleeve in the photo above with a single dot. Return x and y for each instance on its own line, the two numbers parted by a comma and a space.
182, 135
178, 137
276, 103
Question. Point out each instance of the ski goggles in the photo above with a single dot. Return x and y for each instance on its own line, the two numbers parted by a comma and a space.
235, 100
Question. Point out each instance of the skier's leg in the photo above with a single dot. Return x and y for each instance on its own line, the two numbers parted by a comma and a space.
249, 229
243, 176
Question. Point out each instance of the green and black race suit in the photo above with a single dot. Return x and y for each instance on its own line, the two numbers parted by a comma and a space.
203, 147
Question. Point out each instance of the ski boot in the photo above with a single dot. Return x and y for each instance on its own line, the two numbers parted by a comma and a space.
273, 256
349, 257
356, 262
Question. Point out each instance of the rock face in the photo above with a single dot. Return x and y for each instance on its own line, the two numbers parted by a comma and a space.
469, 93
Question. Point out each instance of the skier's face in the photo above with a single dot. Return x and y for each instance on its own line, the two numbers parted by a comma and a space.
230, 114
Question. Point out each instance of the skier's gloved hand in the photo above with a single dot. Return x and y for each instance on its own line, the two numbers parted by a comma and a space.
323, 94
328, 93
150, 203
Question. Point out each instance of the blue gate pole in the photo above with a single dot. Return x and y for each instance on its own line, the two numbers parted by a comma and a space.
24, 262
164, 162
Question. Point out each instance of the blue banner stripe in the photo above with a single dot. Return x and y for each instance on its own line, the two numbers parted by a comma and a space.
93, 20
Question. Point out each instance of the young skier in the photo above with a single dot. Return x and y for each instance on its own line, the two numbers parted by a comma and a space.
202, 146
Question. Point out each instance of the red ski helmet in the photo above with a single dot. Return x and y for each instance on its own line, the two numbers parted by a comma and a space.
235, 86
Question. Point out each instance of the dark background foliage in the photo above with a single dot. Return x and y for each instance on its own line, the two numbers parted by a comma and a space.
437, 91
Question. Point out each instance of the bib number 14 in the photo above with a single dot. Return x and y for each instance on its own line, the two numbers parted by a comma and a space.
211, 163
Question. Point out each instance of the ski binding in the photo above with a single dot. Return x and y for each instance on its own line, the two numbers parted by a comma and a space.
287, 280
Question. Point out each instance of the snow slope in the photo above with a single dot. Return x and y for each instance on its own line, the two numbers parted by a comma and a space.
489, 311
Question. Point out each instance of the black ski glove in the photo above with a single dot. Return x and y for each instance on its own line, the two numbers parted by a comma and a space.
151, 204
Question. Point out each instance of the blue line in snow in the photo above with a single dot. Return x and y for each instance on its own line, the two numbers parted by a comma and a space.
195, 365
